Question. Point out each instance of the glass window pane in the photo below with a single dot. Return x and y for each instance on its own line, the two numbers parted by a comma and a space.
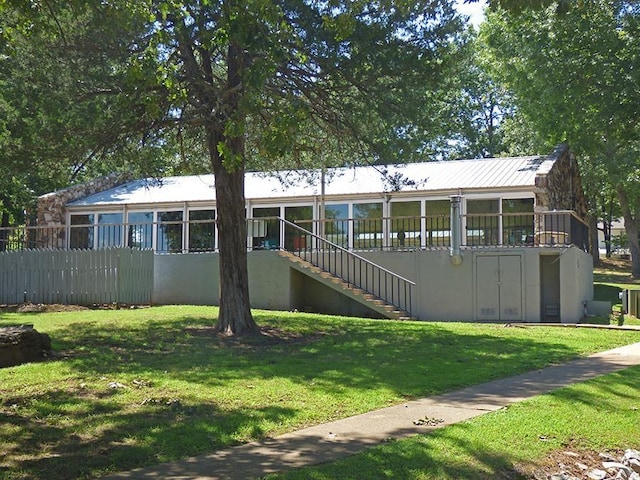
336, 224
438, 223
367, 225
482, 206
109, 230
169, 232
517, 205
202, 230
294, 238
140, 230
438, 207
482, 222
266, 233
405, 224
517, 221
81, 237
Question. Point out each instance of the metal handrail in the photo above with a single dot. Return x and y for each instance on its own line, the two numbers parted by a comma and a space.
352, 268
550, 228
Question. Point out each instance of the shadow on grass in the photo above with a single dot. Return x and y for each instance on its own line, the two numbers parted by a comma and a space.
332, 360
607, 293
409, 359
36, 449
440, 454
606, 394
583, 414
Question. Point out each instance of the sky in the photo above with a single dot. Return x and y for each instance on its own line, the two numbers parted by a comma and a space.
473, 10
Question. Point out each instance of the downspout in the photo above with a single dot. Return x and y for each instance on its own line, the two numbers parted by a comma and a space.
321, 216
456, 230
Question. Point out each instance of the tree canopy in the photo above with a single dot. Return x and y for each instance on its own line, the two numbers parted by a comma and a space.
250, 83
58, 124
574, 71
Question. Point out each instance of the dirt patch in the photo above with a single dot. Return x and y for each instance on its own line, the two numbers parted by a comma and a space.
264, 337
616, 263
57, 307
38, 308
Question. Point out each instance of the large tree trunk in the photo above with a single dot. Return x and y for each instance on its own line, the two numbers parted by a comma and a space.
227, 153
631, 228
235, 308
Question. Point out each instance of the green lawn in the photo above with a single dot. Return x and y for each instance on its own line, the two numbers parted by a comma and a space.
130, 388
610, 279
526, 440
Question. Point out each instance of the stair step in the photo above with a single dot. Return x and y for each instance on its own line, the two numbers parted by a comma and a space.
390, 311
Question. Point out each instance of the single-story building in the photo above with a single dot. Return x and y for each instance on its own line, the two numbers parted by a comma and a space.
499, 239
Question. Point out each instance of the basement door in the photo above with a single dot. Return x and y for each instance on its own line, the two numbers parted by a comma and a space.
499, 288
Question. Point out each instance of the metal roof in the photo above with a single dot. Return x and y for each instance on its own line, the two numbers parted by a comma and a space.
453, 176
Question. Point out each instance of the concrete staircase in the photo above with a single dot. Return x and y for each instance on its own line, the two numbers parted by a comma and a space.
354, 292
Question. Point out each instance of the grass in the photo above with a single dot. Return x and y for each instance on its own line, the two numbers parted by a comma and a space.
138, 387
521, 441
610, 278
615, 272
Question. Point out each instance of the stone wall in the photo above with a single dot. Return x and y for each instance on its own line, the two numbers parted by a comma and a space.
52, 211
561, 187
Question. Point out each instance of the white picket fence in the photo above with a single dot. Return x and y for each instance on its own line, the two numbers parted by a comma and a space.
80, 277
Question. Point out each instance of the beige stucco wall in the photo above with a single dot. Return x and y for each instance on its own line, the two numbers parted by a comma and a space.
443, 292
448, 293
576, 282
194, 279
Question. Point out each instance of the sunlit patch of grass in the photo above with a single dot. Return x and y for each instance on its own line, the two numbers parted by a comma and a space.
129, 388
600, 415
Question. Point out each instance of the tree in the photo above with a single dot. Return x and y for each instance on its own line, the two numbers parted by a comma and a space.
57, 125
574, 69
484, 120
255, 82
478, 106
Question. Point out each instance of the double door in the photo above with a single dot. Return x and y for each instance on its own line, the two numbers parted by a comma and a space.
498, 288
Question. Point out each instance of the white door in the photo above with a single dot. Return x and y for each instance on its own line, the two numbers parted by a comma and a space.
499, 287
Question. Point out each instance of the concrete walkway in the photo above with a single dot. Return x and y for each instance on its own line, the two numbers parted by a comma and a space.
344, 437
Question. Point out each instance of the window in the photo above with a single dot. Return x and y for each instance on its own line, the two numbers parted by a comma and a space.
367, 225
405, 224
266, 234
109, 230
517, 221
169, 236
336, 224
81, 231
202, 230
140, 230
482, 222
294, 238
438, 223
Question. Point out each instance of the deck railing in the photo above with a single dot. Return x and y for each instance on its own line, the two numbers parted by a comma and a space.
356, 271
554, 228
